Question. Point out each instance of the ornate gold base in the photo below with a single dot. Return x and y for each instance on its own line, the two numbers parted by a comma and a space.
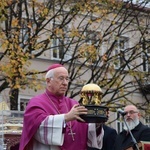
96, 114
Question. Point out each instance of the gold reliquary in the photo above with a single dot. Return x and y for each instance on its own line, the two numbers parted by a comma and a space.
91, 96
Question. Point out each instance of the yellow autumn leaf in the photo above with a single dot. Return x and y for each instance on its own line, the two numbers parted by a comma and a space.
15, 22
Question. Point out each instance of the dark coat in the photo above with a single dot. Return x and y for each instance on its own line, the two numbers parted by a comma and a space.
124, 140
109, 138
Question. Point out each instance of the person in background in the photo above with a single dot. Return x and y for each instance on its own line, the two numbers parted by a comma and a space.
108, 139
140, 132
50, 119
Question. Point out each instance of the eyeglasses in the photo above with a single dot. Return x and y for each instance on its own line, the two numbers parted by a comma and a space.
61, 79
131, 112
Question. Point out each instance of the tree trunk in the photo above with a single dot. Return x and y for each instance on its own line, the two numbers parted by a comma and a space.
14, 99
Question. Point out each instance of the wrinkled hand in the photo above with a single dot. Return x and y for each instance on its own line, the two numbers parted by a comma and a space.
75, 112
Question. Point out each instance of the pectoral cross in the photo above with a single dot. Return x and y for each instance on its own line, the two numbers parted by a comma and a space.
72, 134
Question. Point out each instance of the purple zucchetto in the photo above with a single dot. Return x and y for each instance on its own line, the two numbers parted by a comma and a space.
53, 66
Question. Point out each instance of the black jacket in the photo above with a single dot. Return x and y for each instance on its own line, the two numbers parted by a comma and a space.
124, 140
109, 138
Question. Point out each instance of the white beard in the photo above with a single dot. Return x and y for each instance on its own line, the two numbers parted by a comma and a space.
131, 124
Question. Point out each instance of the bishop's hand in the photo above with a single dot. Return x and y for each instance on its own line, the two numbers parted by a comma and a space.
75, 112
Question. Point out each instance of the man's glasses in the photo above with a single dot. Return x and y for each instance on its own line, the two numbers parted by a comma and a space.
131, 112
62, 79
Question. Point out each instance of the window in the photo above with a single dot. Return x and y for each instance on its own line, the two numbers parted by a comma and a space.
25, 32
146, 61
90, 47
0, 98
147, 121
91, 37
120, 53
60, 43
22, 102
58, 48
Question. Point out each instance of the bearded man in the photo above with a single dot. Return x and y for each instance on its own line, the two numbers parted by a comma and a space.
140, 131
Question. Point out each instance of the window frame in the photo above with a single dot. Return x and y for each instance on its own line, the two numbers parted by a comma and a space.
147, 120
91, 39
25, 99
59, 45
118, 51
146, 61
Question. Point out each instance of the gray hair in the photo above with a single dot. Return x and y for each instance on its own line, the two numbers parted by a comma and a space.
49, 74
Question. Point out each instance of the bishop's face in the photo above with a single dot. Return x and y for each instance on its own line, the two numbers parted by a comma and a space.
58, 84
